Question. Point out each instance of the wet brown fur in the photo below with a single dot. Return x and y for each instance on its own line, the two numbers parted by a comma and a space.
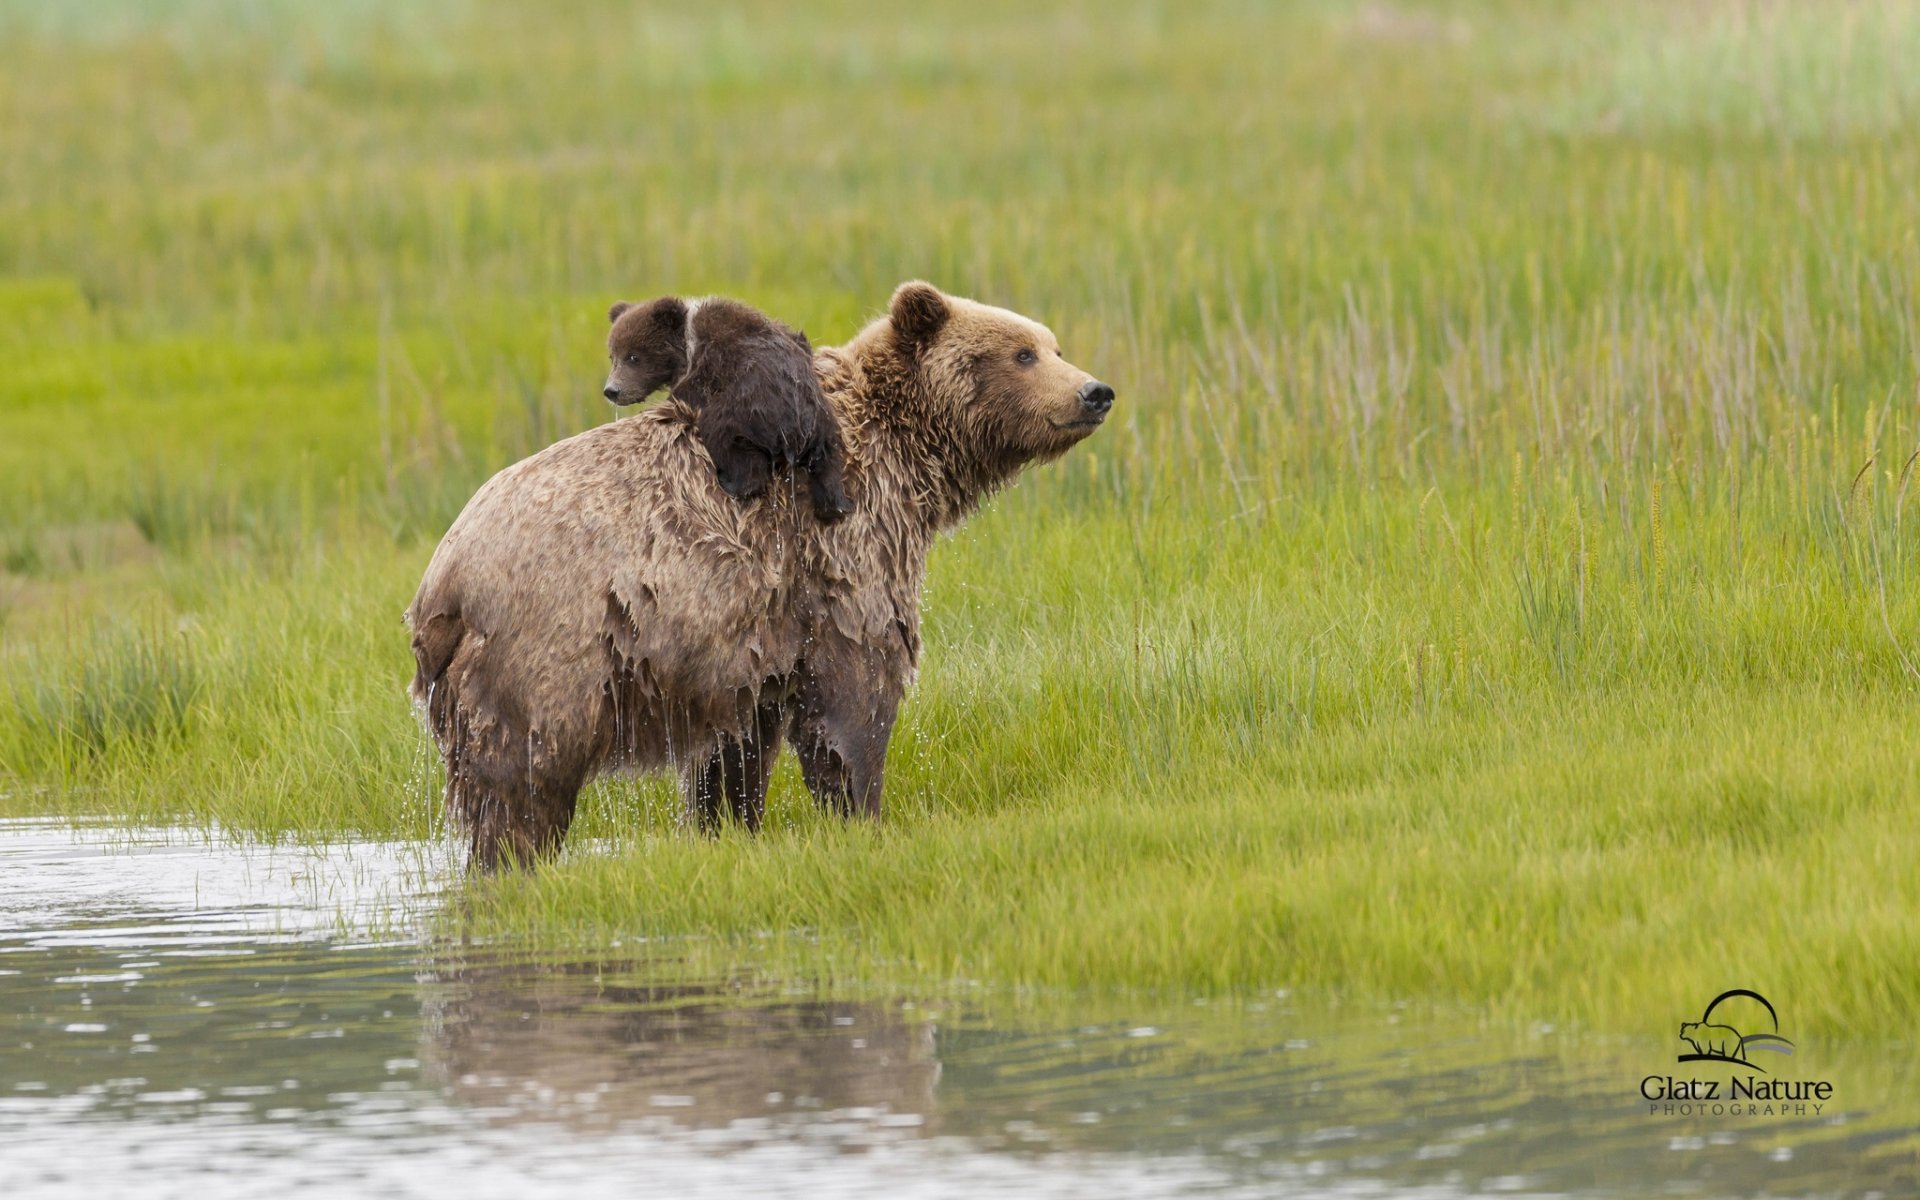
604, 605
748, 378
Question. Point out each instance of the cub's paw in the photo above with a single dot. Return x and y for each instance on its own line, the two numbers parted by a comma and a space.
831, 508
741, 488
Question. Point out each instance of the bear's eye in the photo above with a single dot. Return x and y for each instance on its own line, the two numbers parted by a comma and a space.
1026, 358
633, 360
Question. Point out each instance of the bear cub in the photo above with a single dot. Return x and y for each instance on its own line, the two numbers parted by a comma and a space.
748, 378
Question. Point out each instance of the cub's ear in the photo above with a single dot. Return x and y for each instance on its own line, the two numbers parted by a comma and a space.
619, 306
800, 340
669, 316
918, 310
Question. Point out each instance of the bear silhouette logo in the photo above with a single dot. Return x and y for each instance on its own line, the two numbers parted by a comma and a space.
1723, 1040
1723, 1043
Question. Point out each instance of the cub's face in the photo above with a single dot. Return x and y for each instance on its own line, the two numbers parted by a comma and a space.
1000, 378
647, 348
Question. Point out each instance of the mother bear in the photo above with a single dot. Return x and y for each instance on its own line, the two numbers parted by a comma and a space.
604, 605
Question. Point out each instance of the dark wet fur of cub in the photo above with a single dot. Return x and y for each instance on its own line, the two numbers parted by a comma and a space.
751, 381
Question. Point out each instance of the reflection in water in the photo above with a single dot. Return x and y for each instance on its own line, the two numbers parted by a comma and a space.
594, 1045
236, 1021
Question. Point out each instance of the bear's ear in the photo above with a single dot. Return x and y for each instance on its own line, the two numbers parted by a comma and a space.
619, 306
918, 310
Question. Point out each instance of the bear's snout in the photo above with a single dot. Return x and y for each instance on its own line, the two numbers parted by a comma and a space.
1095, 399
611, 392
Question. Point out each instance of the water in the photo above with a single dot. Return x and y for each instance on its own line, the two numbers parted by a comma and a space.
180, 1018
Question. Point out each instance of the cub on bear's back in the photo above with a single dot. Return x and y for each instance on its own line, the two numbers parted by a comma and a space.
604, 604
748, 377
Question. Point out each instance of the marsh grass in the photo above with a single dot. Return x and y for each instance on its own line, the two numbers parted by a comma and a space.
128, 686
1496, 586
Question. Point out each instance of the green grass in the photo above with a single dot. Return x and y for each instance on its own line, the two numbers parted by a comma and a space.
1495, 586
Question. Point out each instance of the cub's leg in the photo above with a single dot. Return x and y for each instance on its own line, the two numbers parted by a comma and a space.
743, 471
827, 480
742, 465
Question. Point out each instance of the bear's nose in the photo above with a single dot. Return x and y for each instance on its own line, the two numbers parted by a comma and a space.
610, 392
1095, 398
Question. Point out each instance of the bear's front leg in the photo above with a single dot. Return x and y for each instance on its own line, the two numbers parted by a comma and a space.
700, 785
846, 704
737, 769
746, 764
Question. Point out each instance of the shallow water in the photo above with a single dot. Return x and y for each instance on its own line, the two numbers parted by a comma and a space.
180, 1017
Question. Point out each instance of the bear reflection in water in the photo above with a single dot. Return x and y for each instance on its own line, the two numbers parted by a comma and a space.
567, 1041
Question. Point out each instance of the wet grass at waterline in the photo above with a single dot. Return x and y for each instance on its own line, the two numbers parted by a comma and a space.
1497, 584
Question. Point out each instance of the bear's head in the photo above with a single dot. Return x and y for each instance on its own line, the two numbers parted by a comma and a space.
647, 347
993, 382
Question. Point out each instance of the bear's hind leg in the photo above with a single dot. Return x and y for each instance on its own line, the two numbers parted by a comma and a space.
512, 812
517, 834
511, 825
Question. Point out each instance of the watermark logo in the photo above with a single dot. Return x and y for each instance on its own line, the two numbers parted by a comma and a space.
1721, 1036
1723, 1043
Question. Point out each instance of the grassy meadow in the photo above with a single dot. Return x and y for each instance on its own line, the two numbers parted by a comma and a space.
1494, 588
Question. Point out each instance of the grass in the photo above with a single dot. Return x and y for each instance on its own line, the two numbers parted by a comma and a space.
1495, 586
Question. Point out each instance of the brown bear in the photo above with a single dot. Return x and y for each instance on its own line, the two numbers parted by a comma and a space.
604, 605
749, 380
